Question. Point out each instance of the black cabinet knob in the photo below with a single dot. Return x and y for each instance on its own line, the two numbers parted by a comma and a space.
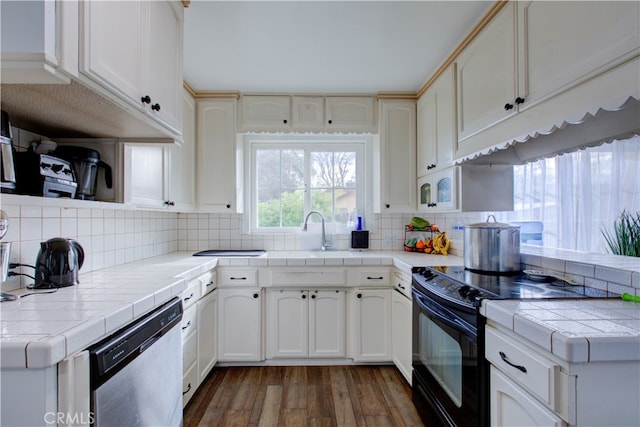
388, 205
146, 99
313, 297
256, 295
304, 296
284, 121
519, 100
330, 121
155, 107
359, 295
508, 106
228, 205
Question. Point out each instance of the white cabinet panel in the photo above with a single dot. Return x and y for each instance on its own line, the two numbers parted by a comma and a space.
351, 113
265, 112
397, 156
145, 180
372, 325
287, 323
207, 334
239, 328
327, 324
401, 325
307, 112
217, 156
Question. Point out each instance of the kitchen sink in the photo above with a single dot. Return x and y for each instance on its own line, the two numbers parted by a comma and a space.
231, 252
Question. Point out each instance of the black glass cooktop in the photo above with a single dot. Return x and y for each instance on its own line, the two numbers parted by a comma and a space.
462, 285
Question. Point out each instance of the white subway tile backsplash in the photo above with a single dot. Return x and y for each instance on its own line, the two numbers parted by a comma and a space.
622, 277
30, 229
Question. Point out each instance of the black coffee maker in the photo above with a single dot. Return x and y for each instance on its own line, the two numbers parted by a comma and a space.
85, 163
58, 263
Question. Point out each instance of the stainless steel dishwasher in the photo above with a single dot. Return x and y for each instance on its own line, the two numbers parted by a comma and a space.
136, 373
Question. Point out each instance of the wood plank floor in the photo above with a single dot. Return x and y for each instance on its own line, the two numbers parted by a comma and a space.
302, 396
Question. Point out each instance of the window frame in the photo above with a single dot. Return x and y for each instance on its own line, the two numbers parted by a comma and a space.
360, 144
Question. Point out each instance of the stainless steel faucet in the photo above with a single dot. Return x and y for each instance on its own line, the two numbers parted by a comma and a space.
325, 244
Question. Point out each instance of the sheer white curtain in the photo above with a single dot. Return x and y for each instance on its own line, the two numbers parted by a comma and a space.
576, 195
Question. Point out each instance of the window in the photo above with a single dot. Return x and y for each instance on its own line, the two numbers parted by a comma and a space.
578, 195
292, 175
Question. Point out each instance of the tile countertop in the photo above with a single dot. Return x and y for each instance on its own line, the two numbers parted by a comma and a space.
586, 330
41, 330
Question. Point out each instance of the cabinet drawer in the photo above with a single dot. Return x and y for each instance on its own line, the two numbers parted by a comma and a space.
375, 277
188, 323
207, 282
191, 294
189, 352
528, 368
238, 277
189, 384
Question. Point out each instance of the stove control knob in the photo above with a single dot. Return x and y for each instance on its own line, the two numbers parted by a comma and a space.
464, 290
472, 294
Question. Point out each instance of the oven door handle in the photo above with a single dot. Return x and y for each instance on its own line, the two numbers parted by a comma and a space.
445, 318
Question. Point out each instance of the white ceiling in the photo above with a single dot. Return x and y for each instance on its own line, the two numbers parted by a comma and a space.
321, 46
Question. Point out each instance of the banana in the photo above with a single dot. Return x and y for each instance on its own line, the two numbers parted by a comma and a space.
441, 244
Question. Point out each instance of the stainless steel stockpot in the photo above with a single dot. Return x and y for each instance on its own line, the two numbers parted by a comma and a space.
492, 247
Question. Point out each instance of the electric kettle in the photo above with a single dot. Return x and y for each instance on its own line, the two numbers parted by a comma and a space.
58, 263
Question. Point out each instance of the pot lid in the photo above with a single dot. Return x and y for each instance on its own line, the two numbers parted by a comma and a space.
494, 224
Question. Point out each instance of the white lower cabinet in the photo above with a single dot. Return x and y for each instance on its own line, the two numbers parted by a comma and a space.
239, 324
512, 406
401, 324
189, 353
371, 321
207, 334
305, 323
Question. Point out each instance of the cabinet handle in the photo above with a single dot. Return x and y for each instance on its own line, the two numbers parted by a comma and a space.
146, 99
188, 298
519, 100
387, 205
188, 389
187, 325
237, 278
374, 278
169, 203
256, 295
313, 297
432, 205
284, 121
155, 107
209, 284
400, 286
330, 121
359, 295
508, 106
228, 205
505, 359
304, 296
431, 166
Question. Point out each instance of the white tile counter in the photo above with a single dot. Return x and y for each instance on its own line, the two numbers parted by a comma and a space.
38, 331
585, 330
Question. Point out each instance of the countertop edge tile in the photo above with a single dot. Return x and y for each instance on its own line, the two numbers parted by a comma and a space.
602, 349
571, 349
13, 354
533, 331
46, 352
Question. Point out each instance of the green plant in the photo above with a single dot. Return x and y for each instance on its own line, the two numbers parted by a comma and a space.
625, 240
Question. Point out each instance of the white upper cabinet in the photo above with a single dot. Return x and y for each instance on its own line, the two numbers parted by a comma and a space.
217, 157
265, 112
486, 75
436, 125
146, 176
564, 43
351, 113
539, 65
39, 41
312, 113
139, 60
396, 177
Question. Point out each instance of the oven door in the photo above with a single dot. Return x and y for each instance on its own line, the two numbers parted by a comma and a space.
446, 365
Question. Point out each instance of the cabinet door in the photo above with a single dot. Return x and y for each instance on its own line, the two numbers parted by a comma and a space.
287, 323
436, 125
239, 327
401, 325
397, 156
350, 113
372, 324
307, 112
586, 37
163, 73
512, 406
145, 177
486, 75
439, 191
327, 324
207, 334
261, 112
182, 160
113, 55
216, 155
